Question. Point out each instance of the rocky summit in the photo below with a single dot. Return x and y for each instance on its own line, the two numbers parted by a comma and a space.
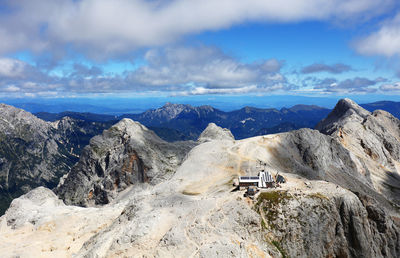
143, 197
127, 153
373, 139
214, 132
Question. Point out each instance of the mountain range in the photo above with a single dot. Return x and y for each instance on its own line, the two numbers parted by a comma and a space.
176, 122
133, 194
121, 190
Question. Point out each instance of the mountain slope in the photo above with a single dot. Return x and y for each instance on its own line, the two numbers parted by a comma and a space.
31, 153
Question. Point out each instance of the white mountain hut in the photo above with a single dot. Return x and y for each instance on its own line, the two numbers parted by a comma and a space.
263, 180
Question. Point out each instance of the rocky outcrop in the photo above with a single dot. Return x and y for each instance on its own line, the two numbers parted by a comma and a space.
126, 154
327, 221
39, 215
373, 139
214, 132
345, 111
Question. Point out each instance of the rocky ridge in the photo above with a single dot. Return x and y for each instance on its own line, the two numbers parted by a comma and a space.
373, 139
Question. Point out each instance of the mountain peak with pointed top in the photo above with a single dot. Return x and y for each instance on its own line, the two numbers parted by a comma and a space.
345, 110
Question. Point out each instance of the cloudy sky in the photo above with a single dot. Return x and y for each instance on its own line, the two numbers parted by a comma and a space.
187, 48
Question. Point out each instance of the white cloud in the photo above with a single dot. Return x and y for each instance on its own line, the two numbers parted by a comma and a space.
103, 27
321, 67
192, 70
178, 71
11, 88
390, 87
204, 91
204, 67
12, 68
385, 41
352, 85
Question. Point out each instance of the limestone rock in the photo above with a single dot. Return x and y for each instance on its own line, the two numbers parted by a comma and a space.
31, 154
128, 153
37, 153
328, 222
45, 227
373, 139
345, 111
214, 132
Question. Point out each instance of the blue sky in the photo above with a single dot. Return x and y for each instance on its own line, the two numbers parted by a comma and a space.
201, 52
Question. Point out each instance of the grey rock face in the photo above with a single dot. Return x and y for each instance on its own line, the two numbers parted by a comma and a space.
316, 156
31, 154
37, 153
126, 154
373, 139
345, 110
332, 224
214, 132
75, 134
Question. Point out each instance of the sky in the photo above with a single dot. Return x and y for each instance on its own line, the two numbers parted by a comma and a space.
204, 52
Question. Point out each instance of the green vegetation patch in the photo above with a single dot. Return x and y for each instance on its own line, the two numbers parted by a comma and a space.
268, 204
186, 192
273, 198
318, 196
280, 249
